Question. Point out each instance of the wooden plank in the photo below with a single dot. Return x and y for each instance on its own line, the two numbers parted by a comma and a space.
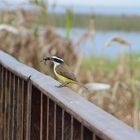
22, 110
5, 104
1, 98
1, 102
54, 121
47, 132
95, 119
18, 115
28, 113
25, 91
9, 105
20, 96
41, 117
14, 109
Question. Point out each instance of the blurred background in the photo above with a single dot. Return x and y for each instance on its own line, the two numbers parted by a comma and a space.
99, 40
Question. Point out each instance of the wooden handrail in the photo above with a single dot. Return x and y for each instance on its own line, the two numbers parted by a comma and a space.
36, 109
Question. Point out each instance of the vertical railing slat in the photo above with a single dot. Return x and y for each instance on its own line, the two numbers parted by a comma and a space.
25, 91
9, 104
41, 117
18, 110
54, 121
48, 110
44, 118
1, 86
5, 105
93, 136
11, 107
22, 110
28, 113
82, 132
1, 101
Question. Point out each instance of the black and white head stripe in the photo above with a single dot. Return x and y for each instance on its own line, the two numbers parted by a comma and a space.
57, 59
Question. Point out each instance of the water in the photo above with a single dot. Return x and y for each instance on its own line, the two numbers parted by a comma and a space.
94, 45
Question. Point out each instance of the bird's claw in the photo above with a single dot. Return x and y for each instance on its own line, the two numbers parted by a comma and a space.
60, 86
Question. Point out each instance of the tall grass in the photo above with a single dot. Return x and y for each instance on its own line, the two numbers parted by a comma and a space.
69, 16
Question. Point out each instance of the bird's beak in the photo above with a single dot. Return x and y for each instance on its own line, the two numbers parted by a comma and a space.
45, 59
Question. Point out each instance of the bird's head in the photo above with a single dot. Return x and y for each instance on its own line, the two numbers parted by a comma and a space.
56, 60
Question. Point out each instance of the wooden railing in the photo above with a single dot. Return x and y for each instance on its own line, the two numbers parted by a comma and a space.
34, 109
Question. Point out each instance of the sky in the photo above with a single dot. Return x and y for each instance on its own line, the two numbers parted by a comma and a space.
112, 3
118, 3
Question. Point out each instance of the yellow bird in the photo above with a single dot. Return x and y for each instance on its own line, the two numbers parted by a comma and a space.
62, 71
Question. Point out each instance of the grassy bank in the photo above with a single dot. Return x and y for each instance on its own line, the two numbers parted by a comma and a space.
126, 23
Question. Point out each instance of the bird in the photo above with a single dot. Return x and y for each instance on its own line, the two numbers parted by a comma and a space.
62, 71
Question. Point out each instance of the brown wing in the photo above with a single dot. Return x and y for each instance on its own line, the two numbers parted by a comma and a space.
65, 71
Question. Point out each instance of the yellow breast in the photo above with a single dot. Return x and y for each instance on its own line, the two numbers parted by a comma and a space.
62, 78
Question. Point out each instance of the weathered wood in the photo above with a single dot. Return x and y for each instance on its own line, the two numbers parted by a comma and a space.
28, 110
97, 124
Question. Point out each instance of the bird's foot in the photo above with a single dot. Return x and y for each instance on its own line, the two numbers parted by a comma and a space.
61, 85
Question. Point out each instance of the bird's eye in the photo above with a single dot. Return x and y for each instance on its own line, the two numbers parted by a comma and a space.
58, 60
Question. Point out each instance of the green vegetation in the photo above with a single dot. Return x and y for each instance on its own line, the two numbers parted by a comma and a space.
106, 63
127, 23
69, 16
101, 63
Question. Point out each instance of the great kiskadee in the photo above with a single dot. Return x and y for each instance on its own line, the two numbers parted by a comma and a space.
62, 71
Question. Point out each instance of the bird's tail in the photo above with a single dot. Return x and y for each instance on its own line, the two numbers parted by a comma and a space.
81, 85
